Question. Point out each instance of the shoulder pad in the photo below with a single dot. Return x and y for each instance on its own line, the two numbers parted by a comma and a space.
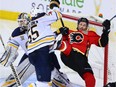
17, 32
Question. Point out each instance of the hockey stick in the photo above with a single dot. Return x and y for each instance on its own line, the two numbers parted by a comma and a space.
2, 41
62, 22
101, 19
112, 17
12, 67
96, 18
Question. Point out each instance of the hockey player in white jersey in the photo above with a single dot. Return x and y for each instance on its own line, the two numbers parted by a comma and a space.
25, 69
40, 38
19, 38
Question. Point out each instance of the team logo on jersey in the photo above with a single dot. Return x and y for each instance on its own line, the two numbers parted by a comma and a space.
76, 37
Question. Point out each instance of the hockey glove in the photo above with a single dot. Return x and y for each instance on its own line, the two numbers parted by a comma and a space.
57, 43
54, 3
106, 26
64, 30
9, 56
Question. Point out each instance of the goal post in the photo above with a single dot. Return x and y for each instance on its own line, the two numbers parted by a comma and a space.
106, 65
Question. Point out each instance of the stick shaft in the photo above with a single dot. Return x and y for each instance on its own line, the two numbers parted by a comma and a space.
15, 75
112, 17
2, 41
62, 22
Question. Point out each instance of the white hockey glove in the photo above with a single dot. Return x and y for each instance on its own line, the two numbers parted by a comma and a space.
9, 56
57, 43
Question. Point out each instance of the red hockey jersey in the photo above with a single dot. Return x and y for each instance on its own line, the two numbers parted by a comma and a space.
79, 41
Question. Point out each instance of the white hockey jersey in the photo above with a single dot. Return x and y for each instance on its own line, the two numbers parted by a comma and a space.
40, 33
18, 38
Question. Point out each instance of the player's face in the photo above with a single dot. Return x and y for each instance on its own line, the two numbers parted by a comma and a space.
22, 22
82, 26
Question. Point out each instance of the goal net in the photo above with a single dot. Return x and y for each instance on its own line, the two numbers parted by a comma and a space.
102, 60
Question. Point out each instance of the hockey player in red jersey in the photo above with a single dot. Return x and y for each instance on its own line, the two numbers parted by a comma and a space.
75, 46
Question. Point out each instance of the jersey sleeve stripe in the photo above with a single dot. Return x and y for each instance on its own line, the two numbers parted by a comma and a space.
64, 47
75, 49
42, 41
14, 42
13, 45
99, 43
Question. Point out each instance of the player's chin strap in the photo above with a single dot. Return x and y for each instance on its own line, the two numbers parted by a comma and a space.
13, 68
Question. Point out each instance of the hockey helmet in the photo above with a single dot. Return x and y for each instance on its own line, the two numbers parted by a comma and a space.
83, 20
23, 19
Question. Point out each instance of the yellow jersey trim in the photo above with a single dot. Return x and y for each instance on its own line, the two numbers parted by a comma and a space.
100, 43
13, 45
75, 49
46, 39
